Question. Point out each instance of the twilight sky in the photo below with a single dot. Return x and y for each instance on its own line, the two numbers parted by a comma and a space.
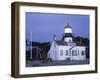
43, 26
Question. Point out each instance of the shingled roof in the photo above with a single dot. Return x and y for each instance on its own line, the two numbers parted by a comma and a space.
61, 42
80, 44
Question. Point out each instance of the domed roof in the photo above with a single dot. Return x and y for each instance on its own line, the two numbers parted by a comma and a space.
67, 26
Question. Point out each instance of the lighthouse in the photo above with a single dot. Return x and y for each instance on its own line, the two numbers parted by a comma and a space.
67, 37
67, 48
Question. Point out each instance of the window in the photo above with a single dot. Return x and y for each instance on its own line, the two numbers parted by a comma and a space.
72, 52
78, 52
69, 53
82, 53
75, 53
66, 52
70, 40
61, 52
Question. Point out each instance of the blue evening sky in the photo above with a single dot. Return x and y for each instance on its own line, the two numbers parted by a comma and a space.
44, 25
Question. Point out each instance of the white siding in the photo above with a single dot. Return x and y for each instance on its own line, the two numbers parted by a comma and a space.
64, 48
77, 54
78, 51
53, 52
58, 52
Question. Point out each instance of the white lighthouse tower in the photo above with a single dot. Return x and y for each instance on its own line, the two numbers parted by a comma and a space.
68, 34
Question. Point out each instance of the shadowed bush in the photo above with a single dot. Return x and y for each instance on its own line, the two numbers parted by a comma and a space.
48, 60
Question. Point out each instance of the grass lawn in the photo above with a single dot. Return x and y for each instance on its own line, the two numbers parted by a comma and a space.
39, 63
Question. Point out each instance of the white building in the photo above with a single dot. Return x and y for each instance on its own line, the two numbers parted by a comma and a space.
66, 49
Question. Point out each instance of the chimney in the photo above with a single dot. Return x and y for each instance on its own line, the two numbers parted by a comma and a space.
55, 38
80, 40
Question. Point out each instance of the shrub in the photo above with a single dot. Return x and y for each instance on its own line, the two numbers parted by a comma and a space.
48, 60
67, 59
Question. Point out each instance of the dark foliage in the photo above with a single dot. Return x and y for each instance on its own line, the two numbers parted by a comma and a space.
39, 51
48, 60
